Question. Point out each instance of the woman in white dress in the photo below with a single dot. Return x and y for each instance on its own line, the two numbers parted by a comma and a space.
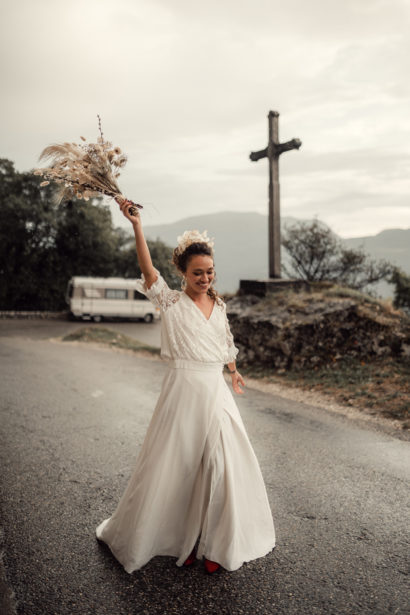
197, 490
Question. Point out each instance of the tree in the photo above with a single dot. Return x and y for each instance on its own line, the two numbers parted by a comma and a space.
43, 245
85, 241
316, 254
161, 257
401, 282
27, 230
127, 264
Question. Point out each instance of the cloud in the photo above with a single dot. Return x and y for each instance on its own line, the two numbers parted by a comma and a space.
185, 88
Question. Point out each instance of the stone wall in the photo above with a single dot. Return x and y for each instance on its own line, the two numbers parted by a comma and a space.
307, 329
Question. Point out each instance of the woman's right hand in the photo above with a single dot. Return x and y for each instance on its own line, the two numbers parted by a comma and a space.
125, 205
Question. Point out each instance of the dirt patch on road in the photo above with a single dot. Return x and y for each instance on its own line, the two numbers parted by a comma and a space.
107, 337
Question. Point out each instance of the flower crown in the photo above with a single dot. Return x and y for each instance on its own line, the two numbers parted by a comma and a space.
190, 237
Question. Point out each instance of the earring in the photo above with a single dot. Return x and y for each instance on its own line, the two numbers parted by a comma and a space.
183, 283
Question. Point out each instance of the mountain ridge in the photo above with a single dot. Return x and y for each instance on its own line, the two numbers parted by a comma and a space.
241, 245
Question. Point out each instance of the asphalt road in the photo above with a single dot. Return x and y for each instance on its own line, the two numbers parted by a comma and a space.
72, 420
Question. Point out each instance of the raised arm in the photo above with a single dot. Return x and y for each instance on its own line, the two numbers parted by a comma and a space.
143, 253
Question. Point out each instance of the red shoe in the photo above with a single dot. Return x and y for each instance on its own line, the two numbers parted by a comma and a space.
191, 559
210, 566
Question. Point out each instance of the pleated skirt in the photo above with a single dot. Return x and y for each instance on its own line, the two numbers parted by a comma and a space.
196, 480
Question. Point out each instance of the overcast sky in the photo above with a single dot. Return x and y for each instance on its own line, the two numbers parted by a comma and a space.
184, 87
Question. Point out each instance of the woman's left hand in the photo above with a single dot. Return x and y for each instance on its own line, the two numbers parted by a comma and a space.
237, 380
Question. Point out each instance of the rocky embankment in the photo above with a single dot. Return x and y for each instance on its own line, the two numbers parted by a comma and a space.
290, 329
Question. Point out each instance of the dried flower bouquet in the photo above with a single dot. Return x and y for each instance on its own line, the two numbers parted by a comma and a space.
85, 170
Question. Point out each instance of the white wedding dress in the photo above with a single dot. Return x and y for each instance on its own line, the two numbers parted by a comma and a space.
196, 474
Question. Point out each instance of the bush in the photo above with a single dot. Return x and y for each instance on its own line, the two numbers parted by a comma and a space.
316, 254
401, 283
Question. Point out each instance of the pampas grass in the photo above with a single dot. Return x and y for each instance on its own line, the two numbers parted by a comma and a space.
85, 170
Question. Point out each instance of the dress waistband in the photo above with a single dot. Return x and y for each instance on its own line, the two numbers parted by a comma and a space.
198, 365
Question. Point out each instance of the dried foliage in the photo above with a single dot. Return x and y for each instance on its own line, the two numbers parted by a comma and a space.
84, 170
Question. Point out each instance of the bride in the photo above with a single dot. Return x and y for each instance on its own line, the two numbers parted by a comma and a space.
197, 490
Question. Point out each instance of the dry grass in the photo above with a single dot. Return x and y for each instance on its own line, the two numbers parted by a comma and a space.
300, 299
381, 386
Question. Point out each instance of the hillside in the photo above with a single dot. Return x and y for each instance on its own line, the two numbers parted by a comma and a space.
241, 245
330, 339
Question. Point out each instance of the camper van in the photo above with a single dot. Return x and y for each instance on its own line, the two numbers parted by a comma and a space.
98, 298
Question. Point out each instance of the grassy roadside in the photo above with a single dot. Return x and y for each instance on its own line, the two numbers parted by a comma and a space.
381, 386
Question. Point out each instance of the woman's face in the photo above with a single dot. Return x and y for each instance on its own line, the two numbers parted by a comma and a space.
199, 273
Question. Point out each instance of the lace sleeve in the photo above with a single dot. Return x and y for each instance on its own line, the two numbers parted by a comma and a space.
160, 294
232, 349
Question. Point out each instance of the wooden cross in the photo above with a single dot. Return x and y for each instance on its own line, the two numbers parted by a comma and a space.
272, 152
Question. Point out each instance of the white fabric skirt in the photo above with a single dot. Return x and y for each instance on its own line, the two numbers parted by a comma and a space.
196, 477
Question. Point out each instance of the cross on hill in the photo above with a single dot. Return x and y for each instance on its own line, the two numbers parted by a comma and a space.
273, 150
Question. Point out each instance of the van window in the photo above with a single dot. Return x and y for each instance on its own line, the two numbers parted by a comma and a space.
92, 293
139, 296
116, 293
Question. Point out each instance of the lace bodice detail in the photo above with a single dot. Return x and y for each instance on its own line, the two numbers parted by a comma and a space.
185, 331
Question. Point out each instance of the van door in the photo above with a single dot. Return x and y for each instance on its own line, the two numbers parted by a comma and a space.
116, 302
141, 305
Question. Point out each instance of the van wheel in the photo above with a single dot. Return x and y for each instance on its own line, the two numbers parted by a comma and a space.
97, 318
148, 318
